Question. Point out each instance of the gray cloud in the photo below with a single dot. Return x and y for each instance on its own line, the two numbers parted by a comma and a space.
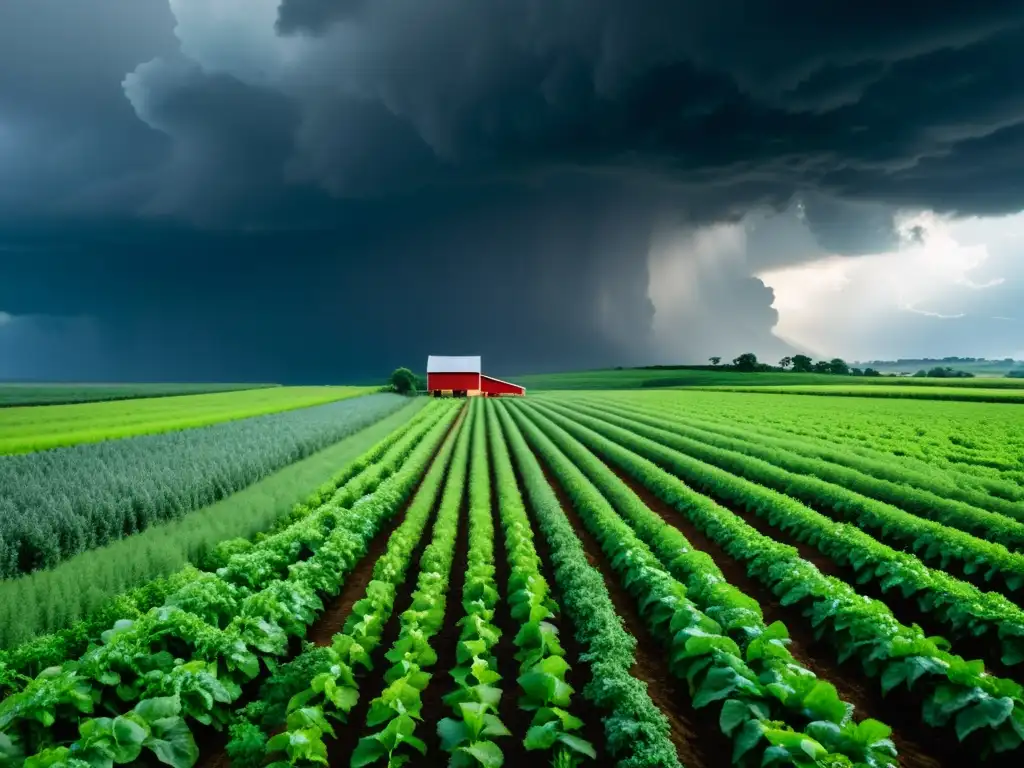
613, 119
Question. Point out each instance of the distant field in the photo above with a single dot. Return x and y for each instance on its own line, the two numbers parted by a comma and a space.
55, 394
39, 427
638, 378
969, 393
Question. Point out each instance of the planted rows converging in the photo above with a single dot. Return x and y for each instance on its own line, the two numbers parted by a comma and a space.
594, 578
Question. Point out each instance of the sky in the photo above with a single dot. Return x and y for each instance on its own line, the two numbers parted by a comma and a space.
309, 191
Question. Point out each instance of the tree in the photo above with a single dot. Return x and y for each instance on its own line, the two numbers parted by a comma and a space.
856, 372
715, 360
838, 366
403, 381
746, 362
802, 364
871, 372
822, 366
785, 362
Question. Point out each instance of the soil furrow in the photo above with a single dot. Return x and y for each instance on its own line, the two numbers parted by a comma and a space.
445, 644
814, 654
695, 734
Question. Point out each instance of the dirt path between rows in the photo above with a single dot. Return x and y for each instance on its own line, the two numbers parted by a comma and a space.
916, 750
695, 734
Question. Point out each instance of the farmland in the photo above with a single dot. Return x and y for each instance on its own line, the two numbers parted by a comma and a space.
37, 428
52, 394
640, 578
643, 378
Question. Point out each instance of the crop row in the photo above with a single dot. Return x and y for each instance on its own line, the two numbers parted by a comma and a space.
961, 608
772, 709
978, 444
544, 689
51, 394
636, 731
322, 686
55, 504
738, 423
189, 658
1001, 526
987, 710
470, 733
37, 429
399, 706
26, 660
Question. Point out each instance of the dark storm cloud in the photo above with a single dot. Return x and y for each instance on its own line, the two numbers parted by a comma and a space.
515, 157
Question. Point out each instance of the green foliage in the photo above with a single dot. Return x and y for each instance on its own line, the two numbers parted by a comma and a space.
170, 653
961, 608
753, 682
636, 730
56, 504
948, 688
403, 381
49, 601
54, 394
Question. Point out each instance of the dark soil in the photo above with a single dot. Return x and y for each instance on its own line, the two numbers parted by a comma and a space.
212, 743
580, 673
915, 749
695, 733
515, 719
339, 750
445, 642
905, 609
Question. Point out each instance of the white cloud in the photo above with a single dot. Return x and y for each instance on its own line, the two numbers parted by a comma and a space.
940, 292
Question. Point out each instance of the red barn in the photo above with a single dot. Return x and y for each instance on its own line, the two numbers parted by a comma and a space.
463, 377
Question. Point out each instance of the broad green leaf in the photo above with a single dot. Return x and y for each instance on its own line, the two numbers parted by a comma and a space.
487, 753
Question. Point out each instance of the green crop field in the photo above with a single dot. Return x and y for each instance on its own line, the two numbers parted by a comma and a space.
977, 390
645, 578
12, 394
643, 378
39, 427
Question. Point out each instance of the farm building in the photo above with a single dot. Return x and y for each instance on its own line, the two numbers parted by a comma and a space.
464, 377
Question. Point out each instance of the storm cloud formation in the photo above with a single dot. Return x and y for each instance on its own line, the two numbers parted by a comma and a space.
310, 189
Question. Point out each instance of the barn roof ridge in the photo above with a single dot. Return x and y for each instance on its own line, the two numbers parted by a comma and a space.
454, 364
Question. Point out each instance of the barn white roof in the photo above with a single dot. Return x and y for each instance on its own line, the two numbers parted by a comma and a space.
442, 364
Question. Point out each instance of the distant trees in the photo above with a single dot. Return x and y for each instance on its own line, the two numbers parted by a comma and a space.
838, 366
748, 362
403, 381
802, 364
745, 362
940, 372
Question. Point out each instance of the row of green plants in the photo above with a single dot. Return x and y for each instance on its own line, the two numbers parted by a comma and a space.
470, 733
924, 477
22, 663
970, 443
53, 600
986, 712
295, 711
636, 731
931, 541
196, 651
963, 610
543, 670
58, 503
978, 522
774, 711
398, 709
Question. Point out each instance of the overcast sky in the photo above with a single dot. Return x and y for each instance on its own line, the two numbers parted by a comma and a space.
320, 190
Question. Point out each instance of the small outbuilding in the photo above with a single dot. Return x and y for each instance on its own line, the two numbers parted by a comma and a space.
464, 377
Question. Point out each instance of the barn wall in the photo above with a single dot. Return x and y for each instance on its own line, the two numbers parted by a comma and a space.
452, 381
495, 387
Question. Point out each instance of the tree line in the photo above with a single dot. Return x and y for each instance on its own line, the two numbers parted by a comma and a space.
748, 362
